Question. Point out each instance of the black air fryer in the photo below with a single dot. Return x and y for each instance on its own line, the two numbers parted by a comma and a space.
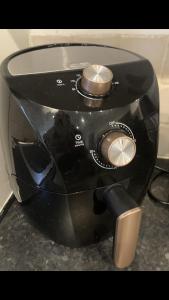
80, 136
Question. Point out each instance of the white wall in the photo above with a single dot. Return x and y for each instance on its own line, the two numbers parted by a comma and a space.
20, 37
102, 31
7, 46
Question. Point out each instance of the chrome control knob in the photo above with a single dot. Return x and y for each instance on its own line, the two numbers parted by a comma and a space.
118, 149
97, 80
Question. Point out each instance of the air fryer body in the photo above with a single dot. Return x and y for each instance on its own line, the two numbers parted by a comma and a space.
52, 134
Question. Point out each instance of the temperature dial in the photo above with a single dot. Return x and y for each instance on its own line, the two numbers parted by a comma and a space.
118, 149
96, 80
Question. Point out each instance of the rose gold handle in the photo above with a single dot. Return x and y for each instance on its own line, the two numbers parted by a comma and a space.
126, 236
126, 215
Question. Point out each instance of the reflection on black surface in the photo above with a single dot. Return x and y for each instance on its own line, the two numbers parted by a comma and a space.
72, 162
68, 220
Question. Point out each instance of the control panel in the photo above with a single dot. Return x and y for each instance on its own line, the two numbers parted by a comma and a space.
95, 82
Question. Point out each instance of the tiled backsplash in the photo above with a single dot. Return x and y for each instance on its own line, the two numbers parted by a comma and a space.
152, 45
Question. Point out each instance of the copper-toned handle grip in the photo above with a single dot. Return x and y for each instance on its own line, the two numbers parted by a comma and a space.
126, 216
126, 237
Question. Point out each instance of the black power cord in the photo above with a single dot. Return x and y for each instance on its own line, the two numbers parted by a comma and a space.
150, 193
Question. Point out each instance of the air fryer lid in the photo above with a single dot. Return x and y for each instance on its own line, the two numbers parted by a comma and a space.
33, 74
67, 58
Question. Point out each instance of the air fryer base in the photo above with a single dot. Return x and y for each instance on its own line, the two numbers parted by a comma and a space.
70, 220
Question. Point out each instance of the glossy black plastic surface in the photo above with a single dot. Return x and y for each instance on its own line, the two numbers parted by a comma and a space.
54, 136
59, 155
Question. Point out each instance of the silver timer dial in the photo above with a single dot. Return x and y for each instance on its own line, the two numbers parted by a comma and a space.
118, 149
